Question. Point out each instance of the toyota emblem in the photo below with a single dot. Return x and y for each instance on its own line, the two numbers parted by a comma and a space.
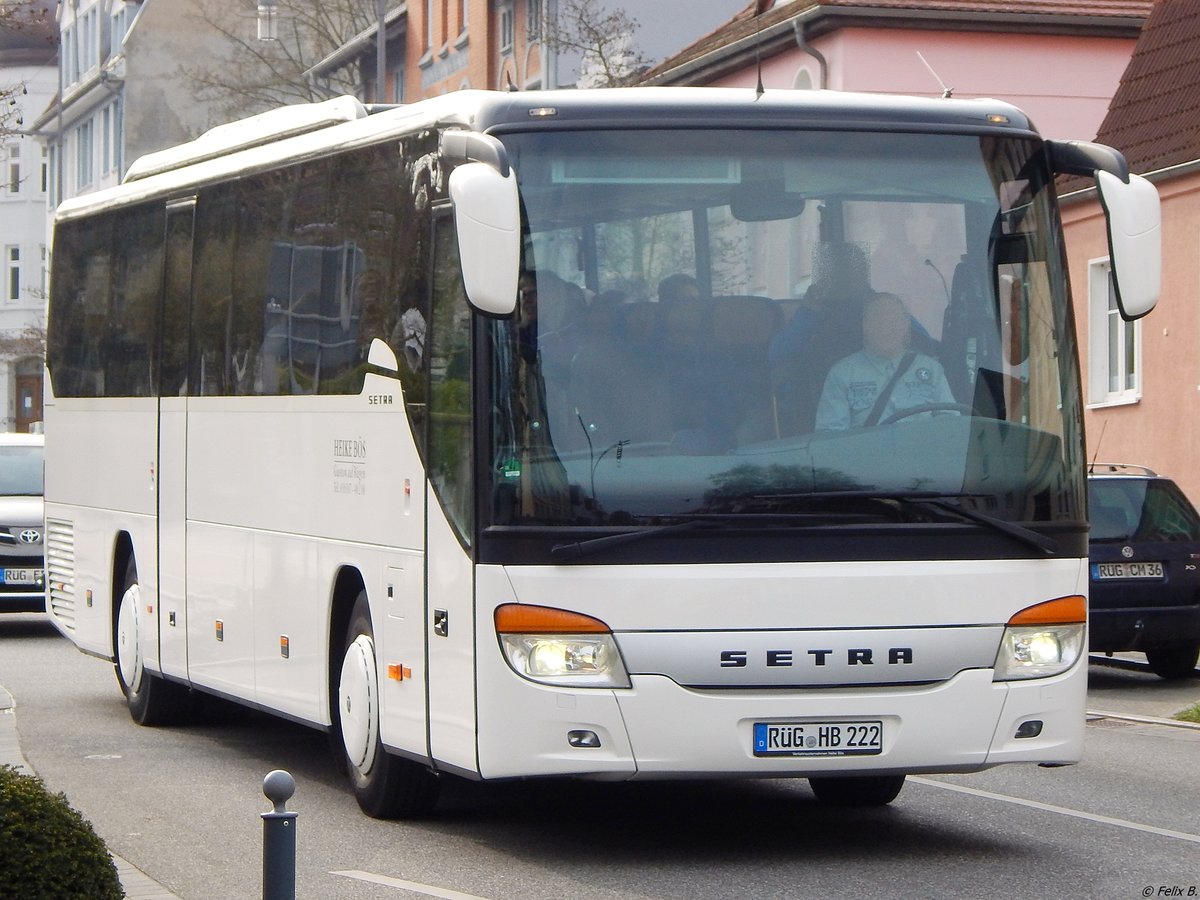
30, 536
1127, 552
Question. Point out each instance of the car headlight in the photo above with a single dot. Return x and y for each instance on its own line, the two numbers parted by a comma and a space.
559, 647
1042, 640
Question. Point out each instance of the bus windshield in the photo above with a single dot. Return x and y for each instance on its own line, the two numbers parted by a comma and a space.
739, 322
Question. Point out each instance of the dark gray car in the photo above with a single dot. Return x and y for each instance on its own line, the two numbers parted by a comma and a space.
1144, 565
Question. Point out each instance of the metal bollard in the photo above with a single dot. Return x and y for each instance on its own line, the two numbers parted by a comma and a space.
279, 838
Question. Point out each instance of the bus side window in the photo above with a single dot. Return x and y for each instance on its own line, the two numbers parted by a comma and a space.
136, 295
214, 368
80, 289
450, 460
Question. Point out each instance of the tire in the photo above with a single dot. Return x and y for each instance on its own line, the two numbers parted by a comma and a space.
386, 786
152, 700
859, 790
1173, 662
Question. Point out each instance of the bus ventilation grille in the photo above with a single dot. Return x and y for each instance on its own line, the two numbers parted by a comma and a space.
60, 571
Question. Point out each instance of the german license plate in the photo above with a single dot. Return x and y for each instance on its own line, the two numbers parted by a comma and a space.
21, 576
818, 738
1101, 571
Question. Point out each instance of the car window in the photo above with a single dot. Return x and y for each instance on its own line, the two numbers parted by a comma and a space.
1141, 510
21, 471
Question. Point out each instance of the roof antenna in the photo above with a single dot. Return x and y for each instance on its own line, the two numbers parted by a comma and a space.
1099, 440
759, 90
947, 92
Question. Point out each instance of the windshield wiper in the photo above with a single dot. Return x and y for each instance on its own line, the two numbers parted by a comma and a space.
690, 521
937, 501
576, 549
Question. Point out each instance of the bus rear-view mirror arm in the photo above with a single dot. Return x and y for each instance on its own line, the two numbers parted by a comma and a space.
1131, 208
487, 219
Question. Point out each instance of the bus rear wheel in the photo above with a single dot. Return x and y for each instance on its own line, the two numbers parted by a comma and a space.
152, 700
859, 790
385, 785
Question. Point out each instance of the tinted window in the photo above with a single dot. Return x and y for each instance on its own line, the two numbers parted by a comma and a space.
107, 282
326, 256
1140, 510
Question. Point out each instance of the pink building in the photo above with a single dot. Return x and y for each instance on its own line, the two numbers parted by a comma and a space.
1142, 379
1058, 60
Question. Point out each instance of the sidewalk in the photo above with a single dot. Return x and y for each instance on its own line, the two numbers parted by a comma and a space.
137, 884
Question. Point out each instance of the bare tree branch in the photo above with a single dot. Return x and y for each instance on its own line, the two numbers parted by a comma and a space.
33, 21
260, 75
28, 342
604, 40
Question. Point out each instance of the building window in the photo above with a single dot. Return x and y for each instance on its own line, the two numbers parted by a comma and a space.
398, 84
122, 18
1114, 345
14, 168
89, 41
13, 255
45, 169
428, 24
506, 28
533, 19
83, 155
45, 269
70, 64
462, 14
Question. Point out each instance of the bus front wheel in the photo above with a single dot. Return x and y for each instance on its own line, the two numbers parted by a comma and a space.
152, 700
860, 790
385, 785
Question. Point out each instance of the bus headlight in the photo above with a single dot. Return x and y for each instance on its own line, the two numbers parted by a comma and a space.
558, 647
1043, 640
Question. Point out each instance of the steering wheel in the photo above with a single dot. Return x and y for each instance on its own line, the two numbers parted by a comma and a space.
899, 414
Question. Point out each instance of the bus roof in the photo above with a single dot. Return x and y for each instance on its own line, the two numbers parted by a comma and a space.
690, 106
305, 130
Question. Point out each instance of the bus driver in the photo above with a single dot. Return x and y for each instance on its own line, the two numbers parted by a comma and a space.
884, 377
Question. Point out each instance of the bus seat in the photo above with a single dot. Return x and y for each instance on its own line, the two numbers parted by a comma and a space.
616, 378
742, 330
825, 329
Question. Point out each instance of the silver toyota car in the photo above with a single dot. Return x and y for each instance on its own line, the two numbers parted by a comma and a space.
22, 524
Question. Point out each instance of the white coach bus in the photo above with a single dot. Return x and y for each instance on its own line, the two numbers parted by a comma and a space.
541, 434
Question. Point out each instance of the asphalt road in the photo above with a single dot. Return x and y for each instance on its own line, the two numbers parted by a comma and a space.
184, 805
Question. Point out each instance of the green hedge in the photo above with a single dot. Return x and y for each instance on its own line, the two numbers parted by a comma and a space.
47, 849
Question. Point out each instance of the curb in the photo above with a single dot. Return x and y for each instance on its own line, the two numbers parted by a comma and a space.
136, 883
1143, 720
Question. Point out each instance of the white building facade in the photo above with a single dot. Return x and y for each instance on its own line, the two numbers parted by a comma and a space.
29, 78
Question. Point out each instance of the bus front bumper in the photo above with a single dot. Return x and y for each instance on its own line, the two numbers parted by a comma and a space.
659, 730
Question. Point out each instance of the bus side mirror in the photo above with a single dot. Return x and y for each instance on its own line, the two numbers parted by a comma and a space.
1134, 241
487, 220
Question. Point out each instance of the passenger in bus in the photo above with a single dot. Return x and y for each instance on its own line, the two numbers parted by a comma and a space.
679, 287
884, 377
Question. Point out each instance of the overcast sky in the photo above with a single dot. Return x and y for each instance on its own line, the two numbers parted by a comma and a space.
665, 28
670, 25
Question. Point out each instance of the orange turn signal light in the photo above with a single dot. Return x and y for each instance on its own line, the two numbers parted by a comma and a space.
520, 618
1063, 611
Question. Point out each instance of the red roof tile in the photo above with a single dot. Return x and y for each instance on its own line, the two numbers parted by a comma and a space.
1154, 118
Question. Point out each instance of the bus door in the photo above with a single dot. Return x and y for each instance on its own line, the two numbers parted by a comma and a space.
450, 621
171, 466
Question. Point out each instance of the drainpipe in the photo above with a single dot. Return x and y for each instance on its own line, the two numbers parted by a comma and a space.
381, 52
802, 43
